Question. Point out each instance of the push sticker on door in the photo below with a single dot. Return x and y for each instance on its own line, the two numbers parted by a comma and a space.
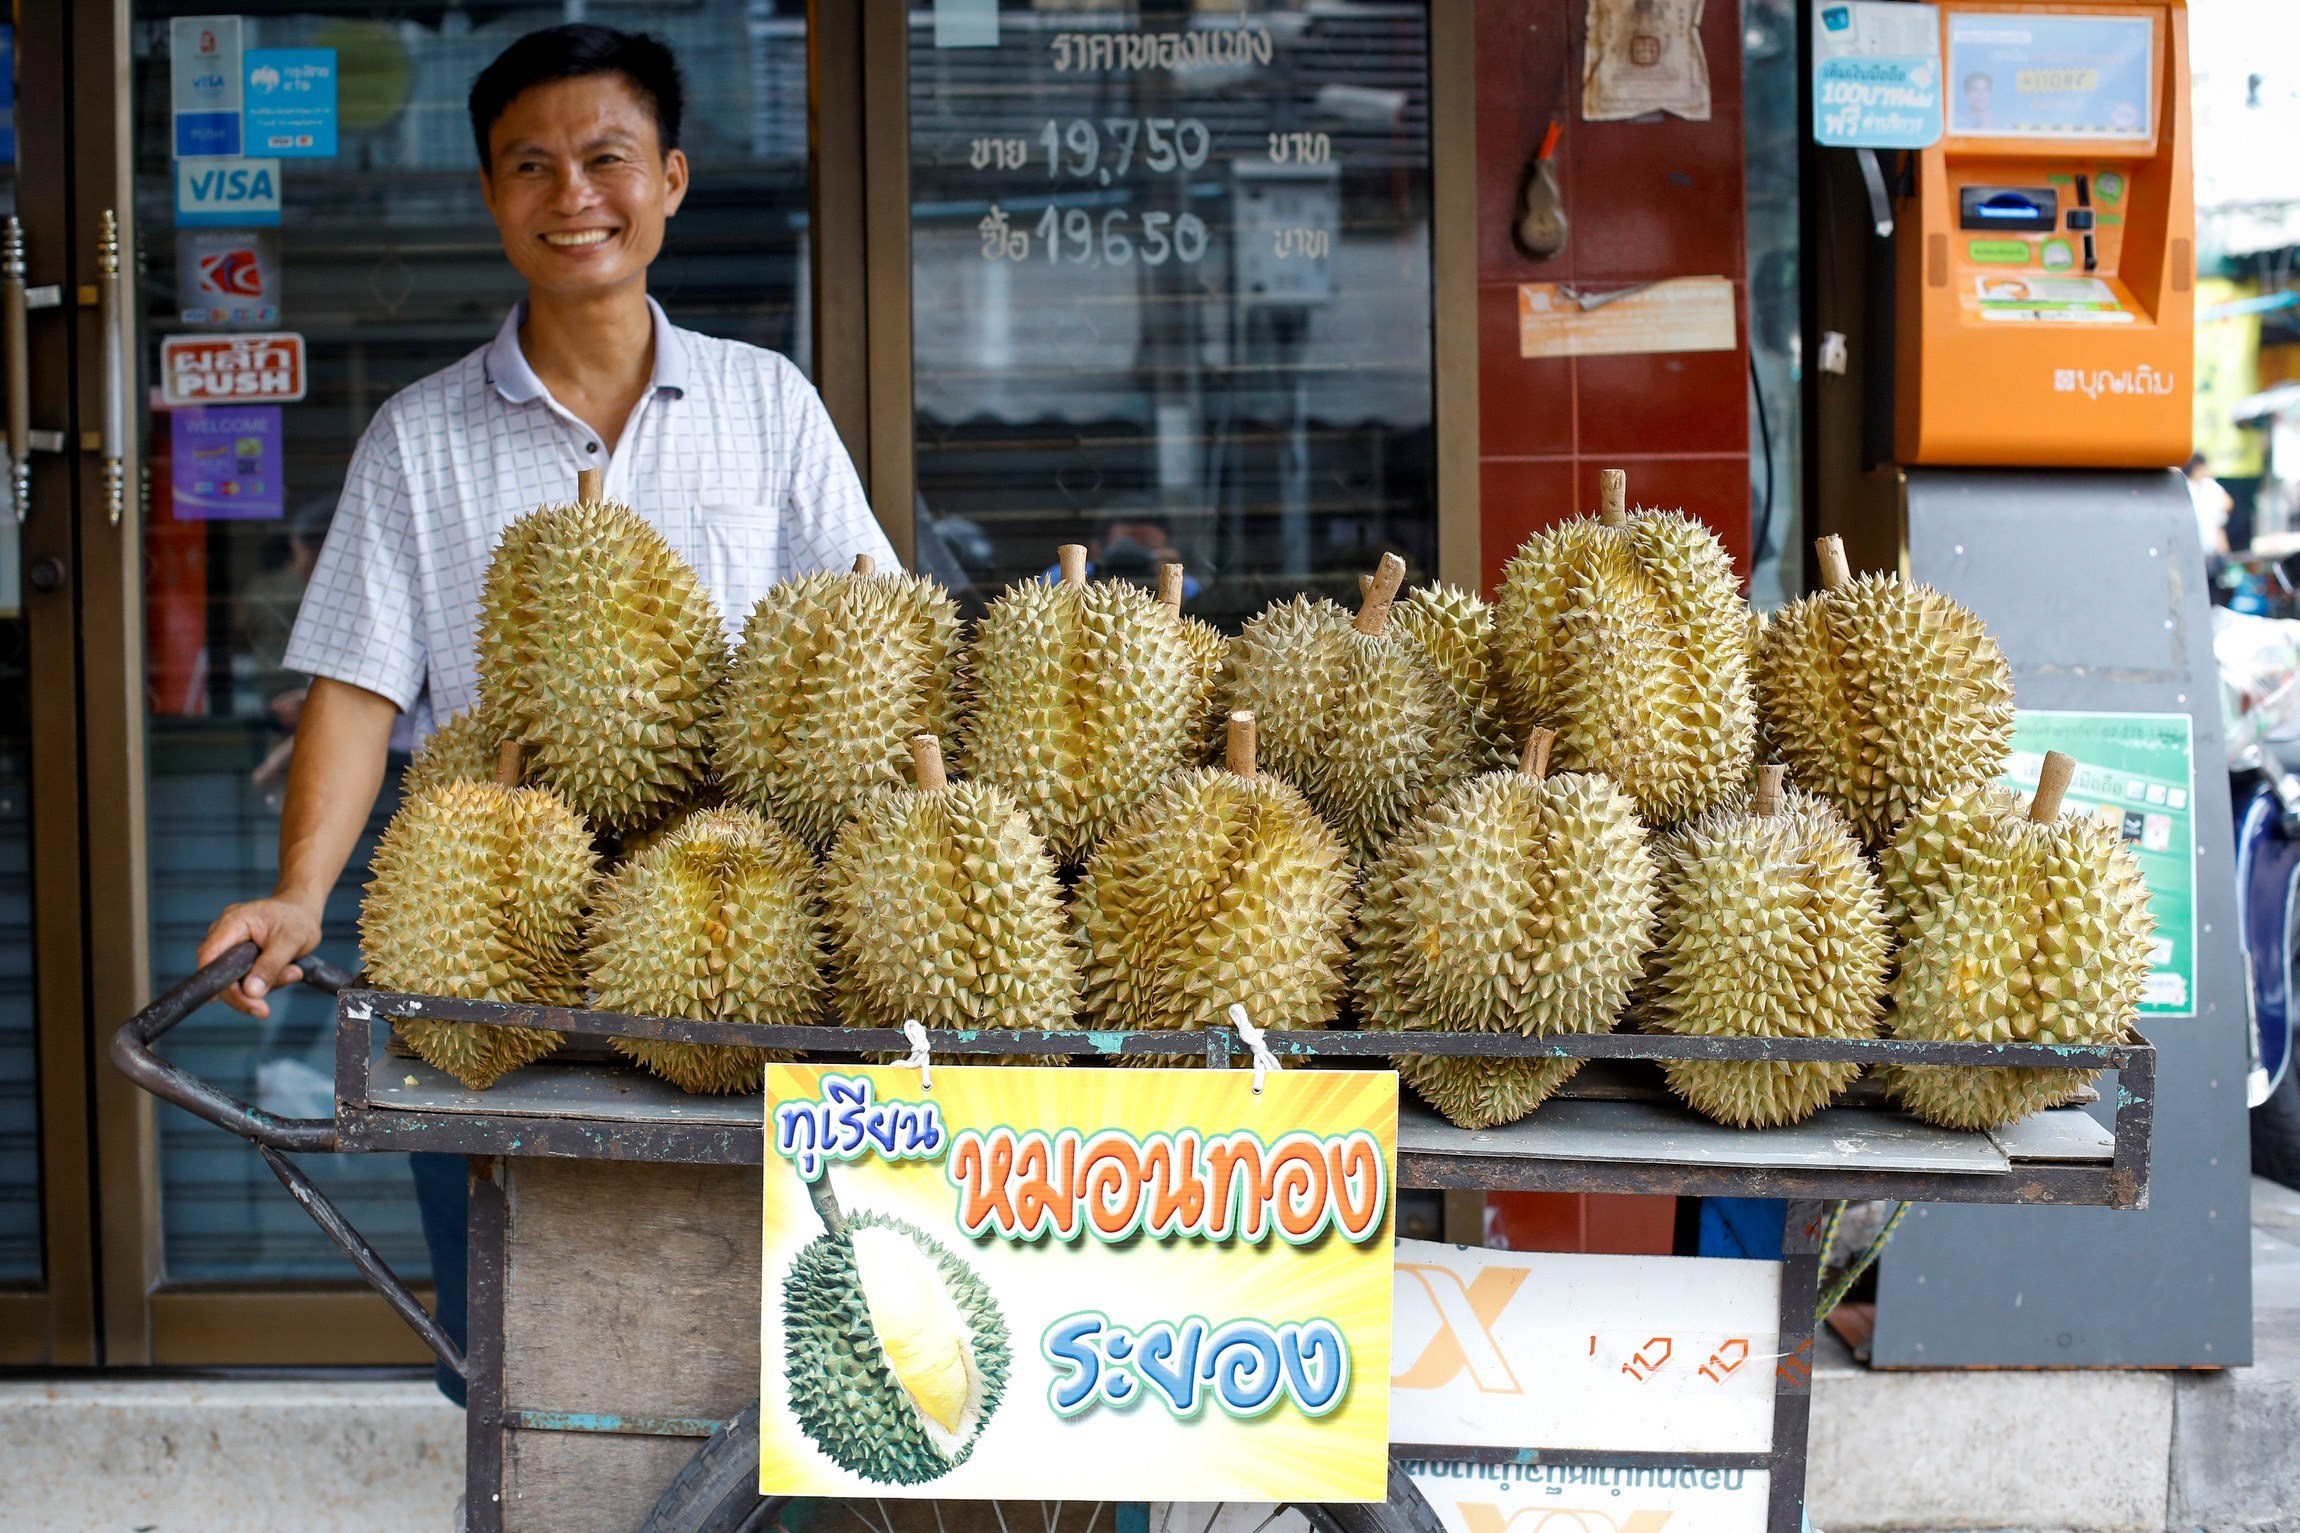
230, 193
229, 369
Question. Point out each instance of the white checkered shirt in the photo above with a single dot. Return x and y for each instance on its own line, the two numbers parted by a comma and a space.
729, 452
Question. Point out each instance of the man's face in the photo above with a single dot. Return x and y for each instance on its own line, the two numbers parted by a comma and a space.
579, 186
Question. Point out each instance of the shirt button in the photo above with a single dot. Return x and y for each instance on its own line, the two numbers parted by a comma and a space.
590, 446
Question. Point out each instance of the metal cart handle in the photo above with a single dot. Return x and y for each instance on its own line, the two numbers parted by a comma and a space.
270, 1133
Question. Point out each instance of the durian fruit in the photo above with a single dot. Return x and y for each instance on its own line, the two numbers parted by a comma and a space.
602, 653
1521, 903
466, 748
1209, 647
942, 907
895, 1352
1225, 887
833, 675
1453, 630
716, 922
1771, 927
477, 892
1350, 712
1084, 697
2015, 929
1626, 633
1881, 695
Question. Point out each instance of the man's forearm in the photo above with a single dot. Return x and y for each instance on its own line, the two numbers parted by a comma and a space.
341, 741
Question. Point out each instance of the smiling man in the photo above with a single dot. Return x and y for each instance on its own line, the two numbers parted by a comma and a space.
724, 447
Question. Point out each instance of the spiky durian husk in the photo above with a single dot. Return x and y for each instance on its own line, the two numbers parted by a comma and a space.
2014, 932
1083, 700
942, 906
1361, 723
477, 892
1220, 889
1632, 642
833, 675
1453, 630
461, 750
1210, 649
1771, 927
717, 923
602, 653
1881, 695
1517, 905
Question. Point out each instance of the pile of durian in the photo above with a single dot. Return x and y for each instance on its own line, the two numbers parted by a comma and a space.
1614, 795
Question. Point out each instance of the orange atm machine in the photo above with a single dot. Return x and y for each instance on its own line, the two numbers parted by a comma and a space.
2047, 262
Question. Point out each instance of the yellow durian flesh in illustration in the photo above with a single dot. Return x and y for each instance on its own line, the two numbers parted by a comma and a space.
478, 892
1771, 927
833, 676
942, 906
1224, 888
716, 922
1082, 699
1351, 713
1521, 903
602, 655
926, 1339
1881, 695
1626, 633
2015, 929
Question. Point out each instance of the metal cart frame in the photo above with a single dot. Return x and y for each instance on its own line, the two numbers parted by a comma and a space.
1545, 1152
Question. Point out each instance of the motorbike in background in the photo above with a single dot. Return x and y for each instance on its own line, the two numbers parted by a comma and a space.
2265, 794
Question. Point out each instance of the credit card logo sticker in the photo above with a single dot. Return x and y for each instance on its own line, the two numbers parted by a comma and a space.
227, 192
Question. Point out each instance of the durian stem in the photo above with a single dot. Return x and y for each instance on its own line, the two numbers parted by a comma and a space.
1374, 613
1770, 783
590, 485
1170, 587
1835, 572
1535, 762
1365, 584
926, 760
509, 767
1238, 746
1612, 496
865, 565
1073, 559
2051, 783
826, 1204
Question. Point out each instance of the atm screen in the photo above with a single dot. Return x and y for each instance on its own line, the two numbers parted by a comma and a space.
2061, 77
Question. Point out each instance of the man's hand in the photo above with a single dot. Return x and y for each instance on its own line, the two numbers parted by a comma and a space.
286, 930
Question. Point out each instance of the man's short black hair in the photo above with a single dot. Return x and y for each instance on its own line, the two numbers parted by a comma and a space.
570, 53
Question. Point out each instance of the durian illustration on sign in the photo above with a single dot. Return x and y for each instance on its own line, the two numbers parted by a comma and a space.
1351, 712
1772, 926
1882, 695
896, 1354
601, 654
2015, 928
1082, 699
834, 674
1521, 903
1626, 633
1224, 888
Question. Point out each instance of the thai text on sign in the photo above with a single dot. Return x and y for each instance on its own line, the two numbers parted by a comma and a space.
224, 369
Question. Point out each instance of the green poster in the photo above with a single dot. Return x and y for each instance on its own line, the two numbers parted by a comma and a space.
2137, 772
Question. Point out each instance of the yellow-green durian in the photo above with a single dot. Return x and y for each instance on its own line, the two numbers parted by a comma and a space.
1626, 633
1351, 713
1209, 648
716, 922
1083, 698
1772, 926
2015, 928
942, 907
1453, 630
478, 892
833, 675
1881, 695
464, 749
602, 654
1521, 903
1225, 887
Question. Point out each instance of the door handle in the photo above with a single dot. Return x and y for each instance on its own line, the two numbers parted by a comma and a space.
16, 339
112, 320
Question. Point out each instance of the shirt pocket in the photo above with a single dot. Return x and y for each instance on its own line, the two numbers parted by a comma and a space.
736, 547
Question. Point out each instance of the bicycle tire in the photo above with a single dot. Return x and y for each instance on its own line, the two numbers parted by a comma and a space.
717, 1491
2276, 1132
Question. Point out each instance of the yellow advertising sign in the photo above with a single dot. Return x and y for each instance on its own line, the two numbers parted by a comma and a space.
1104, 1285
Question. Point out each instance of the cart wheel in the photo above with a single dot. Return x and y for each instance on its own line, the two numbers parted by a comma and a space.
718, 1492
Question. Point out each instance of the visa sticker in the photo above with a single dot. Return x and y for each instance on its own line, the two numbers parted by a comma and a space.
227, 193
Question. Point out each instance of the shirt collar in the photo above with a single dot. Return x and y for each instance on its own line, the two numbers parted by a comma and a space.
507, 367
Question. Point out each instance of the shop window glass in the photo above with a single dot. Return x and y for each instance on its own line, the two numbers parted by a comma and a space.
1770, 127
386, 263
1170, 283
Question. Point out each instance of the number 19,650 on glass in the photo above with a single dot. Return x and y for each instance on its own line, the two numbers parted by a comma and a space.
1104, 153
